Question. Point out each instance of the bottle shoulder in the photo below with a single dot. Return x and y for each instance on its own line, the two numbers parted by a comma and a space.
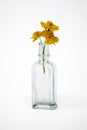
52, 63
47, 64
35, 64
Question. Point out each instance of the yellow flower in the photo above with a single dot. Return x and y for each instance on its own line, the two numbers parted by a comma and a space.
52, 40
36, 35
49, 36
47, 33
49, 26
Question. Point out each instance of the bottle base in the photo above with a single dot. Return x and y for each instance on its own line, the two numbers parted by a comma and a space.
45, 106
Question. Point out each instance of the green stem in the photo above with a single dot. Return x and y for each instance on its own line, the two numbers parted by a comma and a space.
43, 58
40, 41
43, 52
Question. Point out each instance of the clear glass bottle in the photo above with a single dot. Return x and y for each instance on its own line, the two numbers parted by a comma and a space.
44, 81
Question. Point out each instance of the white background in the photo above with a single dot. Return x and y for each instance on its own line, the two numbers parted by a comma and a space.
18, 20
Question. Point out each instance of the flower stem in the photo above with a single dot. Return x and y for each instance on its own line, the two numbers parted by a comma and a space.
43, 58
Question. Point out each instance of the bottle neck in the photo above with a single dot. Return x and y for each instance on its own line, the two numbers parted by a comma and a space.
43, 53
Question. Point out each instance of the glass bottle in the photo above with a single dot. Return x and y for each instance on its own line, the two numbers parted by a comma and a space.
44, 81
